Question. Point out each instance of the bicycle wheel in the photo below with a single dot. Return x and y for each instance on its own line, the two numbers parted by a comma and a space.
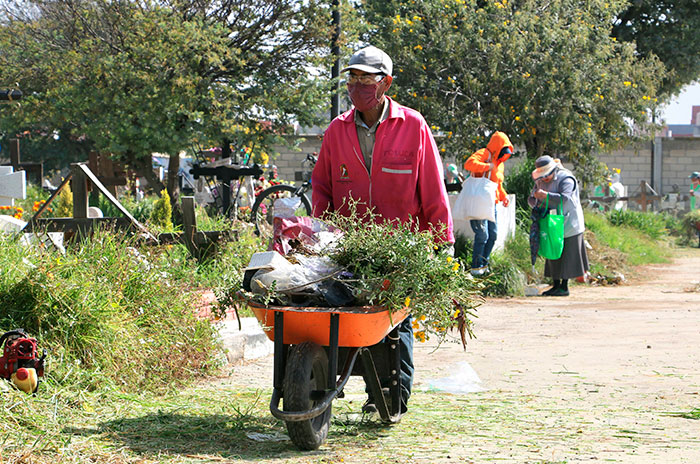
264, 208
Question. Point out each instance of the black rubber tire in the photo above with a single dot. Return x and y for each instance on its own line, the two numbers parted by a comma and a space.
262, 217
306, 371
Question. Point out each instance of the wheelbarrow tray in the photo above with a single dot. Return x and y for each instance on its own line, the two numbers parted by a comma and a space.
358, 325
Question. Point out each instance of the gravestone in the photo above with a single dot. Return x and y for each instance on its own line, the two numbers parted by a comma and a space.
12, 185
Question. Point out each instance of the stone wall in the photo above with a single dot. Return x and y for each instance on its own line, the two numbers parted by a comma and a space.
681, 156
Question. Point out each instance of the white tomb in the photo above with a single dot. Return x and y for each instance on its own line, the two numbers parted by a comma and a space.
12, 185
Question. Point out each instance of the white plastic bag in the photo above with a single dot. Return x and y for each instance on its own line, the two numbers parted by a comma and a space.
477, 200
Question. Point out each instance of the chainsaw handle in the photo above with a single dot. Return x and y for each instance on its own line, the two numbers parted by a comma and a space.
6, 335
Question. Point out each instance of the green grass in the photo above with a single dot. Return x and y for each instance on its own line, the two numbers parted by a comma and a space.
638, 247
216, 422
120, 313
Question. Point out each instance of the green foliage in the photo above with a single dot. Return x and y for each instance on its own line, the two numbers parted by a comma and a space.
549, 75
510, 267
519, 181
653, 225
141, 210
162, 213
109, 314
63, 206
397, 267
174, 75
666, 29
689, 227
638, 247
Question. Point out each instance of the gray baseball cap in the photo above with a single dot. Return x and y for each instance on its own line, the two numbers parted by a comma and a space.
371, 60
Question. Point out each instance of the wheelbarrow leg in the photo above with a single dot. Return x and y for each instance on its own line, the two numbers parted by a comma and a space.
395, 371
389, 411
280, 350
369, 372
333, 350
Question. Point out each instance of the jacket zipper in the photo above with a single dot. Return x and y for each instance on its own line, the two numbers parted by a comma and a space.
369, 176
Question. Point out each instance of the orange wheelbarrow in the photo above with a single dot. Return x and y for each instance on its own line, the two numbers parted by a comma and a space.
310, 344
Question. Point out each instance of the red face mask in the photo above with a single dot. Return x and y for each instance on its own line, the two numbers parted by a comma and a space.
364, 97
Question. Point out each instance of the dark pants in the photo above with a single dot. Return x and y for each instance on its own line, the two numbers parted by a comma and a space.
485, 233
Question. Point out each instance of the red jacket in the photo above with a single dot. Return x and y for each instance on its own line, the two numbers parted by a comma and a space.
407, 177
479, 163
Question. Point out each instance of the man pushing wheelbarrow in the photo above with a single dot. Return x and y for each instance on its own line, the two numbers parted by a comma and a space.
389, 270
383, 156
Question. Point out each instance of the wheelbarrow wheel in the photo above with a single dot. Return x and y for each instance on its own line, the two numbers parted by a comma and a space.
306, 375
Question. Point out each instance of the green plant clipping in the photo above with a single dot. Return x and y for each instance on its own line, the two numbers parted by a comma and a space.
397, 267
162, 213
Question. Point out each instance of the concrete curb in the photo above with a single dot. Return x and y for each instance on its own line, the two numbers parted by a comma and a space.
250, 342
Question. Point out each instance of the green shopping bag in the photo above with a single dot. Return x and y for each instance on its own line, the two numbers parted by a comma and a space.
551, 234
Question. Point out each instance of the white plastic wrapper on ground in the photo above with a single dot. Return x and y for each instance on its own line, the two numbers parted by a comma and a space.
463, 380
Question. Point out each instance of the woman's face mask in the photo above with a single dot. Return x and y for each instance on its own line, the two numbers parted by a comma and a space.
364, 97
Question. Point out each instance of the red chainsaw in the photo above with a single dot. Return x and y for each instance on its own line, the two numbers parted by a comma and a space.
20, 363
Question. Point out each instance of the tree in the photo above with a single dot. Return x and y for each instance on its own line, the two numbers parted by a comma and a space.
140, 77
547, 74
667, 29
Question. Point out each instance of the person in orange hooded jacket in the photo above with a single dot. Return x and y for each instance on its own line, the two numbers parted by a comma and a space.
488, 161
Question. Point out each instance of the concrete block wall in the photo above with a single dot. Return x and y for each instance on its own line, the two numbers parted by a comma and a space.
289, 161
634, 163
681, 157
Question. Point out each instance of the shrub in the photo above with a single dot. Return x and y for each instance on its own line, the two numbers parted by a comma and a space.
688, 227
162, 213
64, 203
519, 181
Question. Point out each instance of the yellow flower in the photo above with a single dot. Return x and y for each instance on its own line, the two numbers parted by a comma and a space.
422, 317
517, 118
415, 324
456, 314
456, 266
418, 47
449, 259
407, 301
627, 83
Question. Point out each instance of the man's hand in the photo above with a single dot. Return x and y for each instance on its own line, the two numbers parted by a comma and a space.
540, 194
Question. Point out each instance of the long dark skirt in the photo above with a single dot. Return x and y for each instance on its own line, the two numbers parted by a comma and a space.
573, 262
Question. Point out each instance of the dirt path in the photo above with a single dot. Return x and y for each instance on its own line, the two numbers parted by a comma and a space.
592, 377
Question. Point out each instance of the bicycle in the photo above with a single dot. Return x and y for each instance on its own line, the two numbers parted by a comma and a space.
263, 211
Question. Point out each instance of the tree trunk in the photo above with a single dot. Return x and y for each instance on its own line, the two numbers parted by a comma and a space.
174, 186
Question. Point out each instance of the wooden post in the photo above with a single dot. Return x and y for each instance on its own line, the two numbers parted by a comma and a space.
79, 185
643, 195
14, 154
190, 222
